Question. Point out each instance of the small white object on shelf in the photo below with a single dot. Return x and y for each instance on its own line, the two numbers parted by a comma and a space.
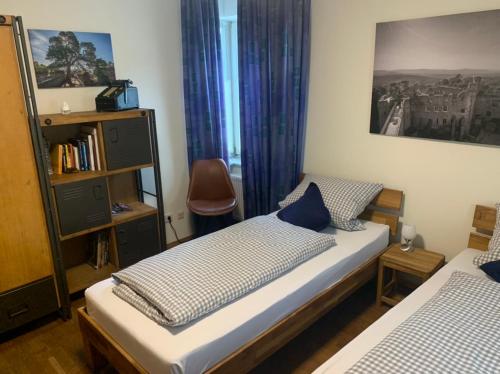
409, 233
65, 109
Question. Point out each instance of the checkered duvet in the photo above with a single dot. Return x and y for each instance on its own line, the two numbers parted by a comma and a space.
198, 277
456, 331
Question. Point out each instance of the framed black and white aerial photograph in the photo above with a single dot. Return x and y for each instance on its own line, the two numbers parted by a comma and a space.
438, 78
71, 59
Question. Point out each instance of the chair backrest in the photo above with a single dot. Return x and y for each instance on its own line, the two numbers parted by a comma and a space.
210, 181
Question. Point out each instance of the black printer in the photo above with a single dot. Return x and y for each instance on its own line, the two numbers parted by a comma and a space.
119, 95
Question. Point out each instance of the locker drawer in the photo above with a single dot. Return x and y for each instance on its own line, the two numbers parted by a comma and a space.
137, 240
127, 142
82, 205
26, 304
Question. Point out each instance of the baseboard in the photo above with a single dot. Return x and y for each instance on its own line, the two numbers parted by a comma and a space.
183, 240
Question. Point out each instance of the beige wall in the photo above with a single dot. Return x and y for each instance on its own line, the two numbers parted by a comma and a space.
147, 49
442, 181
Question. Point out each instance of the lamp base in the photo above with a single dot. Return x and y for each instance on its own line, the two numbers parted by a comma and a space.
407, 247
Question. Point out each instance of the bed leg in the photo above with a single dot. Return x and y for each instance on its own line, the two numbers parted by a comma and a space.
95, 359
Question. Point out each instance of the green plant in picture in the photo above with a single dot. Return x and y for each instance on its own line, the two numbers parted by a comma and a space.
71, 59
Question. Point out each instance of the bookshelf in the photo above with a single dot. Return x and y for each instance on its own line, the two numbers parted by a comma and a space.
123, 144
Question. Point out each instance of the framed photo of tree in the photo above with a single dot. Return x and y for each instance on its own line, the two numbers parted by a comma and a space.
71, 59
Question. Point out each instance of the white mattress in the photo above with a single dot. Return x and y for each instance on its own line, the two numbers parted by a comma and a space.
364, 342
196, 347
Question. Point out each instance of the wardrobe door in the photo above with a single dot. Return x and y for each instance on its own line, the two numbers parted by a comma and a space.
25, 253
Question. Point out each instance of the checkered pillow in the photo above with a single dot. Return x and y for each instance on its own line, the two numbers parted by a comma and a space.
345, 199
493, 253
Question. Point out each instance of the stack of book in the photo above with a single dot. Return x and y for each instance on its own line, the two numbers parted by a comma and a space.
79, 154
99, 249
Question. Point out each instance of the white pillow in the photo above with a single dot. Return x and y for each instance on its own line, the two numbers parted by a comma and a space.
493, 253
345, 199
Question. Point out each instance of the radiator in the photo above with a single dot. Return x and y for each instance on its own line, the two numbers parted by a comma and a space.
238, 188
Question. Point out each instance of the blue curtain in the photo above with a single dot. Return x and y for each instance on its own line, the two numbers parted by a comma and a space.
203, 82
273, 52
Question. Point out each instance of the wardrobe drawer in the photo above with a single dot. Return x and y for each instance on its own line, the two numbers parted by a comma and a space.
82, 205
26, 304
127, 142
137, 240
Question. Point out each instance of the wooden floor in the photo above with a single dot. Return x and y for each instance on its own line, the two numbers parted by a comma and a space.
55, 347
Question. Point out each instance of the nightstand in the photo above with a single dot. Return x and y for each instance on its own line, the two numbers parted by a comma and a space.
420, 263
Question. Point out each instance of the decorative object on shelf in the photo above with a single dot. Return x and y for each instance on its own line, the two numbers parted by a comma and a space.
120, 207
65, 109
428, 83
408, 233
71, 59
120, 95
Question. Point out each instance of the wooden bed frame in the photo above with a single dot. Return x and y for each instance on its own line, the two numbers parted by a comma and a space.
484, 223
101, 348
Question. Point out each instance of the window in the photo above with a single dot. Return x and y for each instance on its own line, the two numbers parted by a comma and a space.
229, 44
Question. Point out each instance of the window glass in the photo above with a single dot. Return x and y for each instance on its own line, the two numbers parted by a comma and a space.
229, 43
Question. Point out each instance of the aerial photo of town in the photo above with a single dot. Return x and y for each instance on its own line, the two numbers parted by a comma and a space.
438, 78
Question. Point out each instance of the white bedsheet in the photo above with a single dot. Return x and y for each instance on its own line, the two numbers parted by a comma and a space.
195, 347
364, 342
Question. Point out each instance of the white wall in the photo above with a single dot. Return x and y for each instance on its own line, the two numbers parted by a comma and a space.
442, 181
146, 40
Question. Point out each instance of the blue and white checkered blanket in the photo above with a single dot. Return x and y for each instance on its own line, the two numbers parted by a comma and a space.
198, 277
456, 331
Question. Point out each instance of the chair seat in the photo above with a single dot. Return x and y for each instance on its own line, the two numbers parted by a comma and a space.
212, 207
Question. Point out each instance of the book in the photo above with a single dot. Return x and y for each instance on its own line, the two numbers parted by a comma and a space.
77, 158
56, 158
89, 130
64, 159
85, 147
90, 154
77, 151
67, 158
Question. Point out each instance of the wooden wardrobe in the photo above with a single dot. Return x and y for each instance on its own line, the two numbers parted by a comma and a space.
28, 259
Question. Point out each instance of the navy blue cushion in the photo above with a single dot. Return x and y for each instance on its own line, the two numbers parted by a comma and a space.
492, 269
309, 211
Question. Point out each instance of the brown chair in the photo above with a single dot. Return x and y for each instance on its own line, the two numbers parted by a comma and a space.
211, 192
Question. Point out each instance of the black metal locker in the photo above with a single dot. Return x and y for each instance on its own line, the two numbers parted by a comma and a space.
127, 142
82, 205
137, 240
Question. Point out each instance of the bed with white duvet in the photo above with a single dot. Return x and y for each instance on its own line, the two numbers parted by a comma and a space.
447, 325
197, 346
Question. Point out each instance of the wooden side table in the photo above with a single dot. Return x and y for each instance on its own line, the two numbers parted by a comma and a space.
419, 263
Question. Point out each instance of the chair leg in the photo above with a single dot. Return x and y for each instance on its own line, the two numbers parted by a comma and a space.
204, 225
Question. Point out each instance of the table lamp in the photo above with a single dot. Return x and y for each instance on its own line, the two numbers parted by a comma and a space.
408, 234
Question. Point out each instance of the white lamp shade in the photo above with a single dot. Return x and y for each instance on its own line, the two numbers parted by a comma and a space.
409, 232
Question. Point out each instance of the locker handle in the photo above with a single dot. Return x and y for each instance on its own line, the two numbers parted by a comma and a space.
98, 194
24, 309
114, 135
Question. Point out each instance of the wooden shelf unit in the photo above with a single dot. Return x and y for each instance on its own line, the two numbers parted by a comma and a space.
123, 184
81, 276
56, 179
58, 119
139, 210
